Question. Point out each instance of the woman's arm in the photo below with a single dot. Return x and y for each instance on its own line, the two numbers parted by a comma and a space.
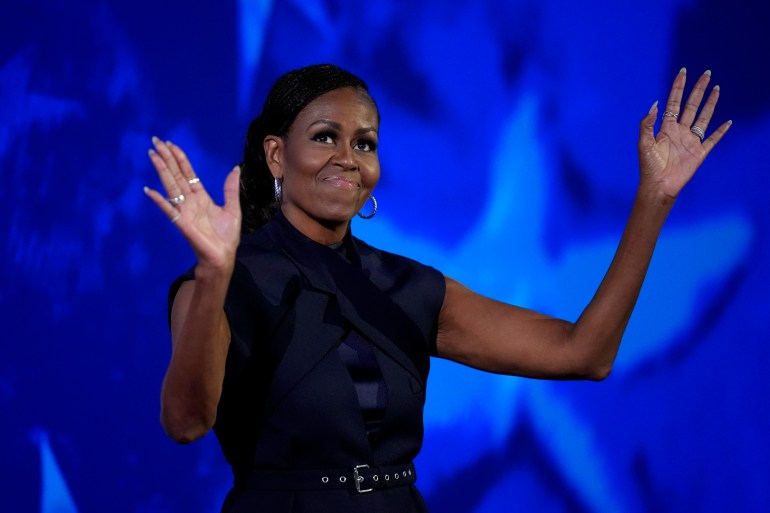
200, 333
497, 337
200, 338
490, 335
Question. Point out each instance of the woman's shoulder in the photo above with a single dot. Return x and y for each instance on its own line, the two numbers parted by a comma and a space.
390, 259
402, 275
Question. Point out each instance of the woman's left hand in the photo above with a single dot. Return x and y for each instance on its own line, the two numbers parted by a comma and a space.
668, 161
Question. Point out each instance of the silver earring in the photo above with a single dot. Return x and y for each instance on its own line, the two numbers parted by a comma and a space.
277, 185
374, 210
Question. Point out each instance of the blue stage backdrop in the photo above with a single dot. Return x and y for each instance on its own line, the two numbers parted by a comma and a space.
508, 150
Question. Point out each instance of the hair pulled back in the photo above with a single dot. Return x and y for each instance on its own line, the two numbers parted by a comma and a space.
289, 95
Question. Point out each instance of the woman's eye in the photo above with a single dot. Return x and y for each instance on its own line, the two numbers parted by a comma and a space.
324, 138
365, 145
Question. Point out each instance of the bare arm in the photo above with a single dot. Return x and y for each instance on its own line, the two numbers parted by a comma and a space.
200, 338
199, 330
497, 337
493, 336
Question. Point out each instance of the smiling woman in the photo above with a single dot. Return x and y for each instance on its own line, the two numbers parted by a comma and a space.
307, 350
327, 163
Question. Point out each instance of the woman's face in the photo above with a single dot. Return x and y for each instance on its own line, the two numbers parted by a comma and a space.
327, 163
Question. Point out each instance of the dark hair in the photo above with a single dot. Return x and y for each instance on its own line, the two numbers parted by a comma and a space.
286, 99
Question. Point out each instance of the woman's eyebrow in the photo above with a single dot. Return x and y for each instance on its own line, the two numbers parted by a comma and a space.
338, 126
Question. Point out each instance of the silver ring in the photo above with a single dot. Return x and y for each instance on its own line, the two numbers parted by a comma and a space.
698, 131
670, 114
176, 200
194, 180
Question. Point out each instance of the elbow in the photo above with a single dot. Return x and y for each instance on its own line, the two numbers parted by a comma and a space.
590, 369
599, 372
598, 368
595, 364
185, 428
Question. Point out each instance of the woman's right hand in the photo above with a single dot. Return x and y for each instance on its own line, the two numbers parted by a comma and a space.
212, 231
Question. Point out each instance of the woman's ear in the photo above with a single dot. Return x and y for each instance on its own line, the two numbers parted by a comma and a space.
273, 146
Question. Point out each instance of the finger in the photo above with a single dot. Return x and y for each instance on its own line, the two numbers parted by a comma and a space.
171, 212
674, 102
163, 149
708, 109
687, 116
185, 167
165, 175
232, 192
714, 138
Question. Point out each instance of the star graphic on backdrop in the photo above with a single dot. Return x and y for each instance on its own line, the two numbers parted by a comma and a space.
504, 257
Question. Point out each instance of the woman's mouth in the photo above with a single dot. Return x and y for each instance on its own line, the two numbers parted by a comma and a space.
342, 182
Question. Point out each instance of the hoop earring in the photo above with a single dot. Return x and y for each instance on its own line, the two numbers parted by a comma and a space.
374, 210
277, 186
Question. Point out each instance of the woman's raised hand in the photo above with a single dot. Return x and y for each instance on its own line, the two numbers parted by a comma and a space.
212, 231
668, 161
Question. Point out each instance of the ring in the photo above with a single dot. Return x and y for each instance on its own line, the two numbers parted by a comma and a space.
176, 200
698, 131
670, 114
193, 180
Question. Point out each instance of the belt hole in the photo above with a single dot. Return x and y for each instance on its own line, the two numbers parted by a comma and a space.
387, 477
324, 479
343, 479
396, 475
376, 477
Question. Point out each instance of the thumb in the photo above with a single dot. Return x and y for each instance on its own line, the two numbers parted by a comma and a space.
646, 128
232, 192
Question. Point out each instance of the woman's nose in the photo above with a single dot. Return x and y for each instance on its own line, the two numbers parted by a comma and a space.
345, 156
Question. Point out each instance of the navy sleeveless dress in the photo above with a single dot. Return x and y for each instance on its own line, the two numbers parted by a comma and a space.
324, 388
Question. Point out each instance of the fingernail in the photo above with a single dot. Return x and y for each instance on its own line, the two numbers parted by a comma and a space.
654, 106
707, 72
730, 122
151, 152
683, 70
146, 189
169, 143
155, 140
717, 88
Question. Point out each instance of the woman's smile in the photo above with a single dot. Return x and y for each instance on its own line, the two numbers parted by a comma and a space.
342, 182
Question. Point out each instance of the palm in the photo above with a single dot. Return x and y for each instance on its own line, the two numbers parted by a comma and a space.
668, 161
212, 231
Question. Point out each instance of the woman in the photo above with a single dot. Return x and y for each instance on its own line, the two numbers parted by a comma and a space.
308, 351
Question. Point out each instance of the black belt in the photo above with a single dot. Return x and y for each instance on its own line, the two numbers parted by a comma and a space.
360, 478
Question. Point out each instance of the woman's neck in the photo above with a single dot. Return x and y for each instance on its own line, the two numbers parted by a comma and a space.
321, 231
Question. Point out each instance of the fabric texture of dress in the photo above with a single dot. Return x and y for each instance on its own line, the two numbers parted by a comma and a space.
289, 420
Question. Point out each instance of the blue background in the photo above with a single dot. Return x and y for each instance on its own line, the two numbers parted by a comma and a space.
508, 149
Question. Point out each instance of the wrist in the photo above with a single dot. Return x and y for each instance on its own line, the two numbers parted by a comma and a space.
653, 195
205, 272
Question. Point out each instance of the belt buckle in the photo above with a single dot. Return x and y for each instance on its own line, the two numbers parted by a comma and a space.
357, 478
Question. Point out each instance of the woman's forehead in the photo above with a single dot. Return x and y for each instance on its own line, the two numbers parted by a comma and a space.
342, 104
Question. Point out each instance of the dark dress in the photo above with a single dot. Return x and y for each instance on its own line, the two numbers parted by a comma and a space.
289, 420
